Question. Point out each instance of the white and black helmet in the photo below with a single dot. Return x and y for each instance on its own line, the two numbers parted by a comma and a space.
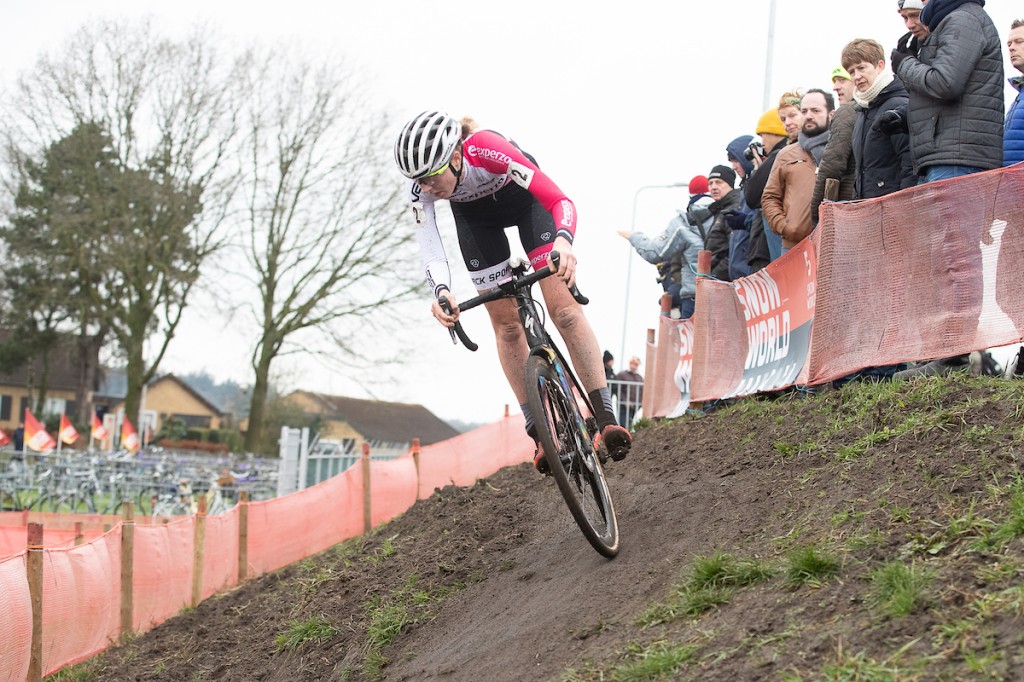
426, 143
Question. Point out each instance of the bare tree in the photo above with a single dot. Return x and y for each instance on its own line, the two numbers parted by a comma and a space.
169, 108
324, 242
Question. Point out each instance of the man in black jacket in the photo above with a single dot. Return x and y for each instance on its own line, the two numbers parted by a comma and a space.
728, 204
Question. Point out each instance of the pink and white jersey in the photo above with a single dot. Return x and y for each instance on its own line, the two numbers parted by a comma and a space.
490, 162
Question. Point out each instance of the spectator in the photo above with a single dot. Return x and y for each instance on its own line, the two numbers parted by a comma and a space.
631, 391
736, 156
727, 206
789, 112
955, 83
765, 246
18, 438
609, 372
955, 119
910, 10
883, 163
786, 200
842, 85
1013, 136
837, 163
674, 251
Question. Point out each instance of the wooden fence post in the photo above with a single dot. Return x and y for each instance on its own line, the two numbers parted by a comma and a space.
416, 458
651, 360
367, 522
199, 540
243, 535
34, 568
79, 535
703, 268
127, 568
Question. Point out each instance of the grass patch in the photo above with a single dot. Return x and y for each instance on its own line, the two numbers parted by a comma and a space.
656, 661
710, 583
900, 589
811, 566
317, 630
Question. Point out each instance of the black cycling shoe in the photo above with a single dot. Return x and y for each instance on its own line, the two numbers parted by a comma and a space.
617, 441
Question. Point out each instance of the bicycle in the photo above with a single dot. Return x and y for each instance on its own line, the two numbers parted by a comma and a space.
555, 396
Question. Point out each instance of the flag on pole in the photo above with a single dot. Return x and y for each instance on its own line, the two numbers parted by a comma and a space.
98, 430
4, 439
68, 433
36, 436
129, 439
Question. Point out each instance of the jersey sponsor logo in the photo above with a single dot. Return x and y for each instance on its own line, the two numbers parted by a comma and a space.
567, 213
474, 263
520, 174
419, 214
484, 190
490, 277
546, 236
487, 153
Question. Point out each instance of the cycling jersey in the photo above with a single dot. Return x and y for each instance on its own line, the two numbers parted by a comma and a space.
500, 186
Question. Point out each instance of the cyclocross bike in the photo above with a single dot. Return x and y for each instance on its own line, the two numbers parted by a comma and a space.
561, 411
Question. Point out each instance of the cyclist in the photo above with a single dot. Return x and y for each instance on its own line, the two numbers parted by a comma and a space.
491, 184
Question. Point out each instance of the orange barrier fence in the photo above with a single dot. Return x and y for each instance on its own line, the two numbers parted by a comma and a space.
87, 602
931, 271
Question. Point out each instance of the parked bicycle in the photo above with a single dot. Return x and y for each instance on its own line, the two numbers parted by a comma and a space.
564, 417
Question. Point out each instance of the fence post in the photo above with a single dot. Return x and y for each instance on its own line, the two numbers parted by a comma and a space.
367, 523
651, 361
197, 557
79, 535
34, 568
666, 305
416, 458
243, 535
127, 568
703, 268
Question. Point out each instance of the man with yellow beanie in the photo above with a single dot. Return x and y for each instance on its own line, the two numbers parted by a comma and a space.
837, 162
765, 246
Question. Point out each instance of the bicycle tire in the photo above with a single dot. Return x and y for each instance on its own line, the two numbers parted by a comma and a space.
572, 460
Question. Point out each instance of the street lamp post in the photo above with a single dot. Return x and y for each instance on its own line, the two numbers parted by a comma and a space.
629, 260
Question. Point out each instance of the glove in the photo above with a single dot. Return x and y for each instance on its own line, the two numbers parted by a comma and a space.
890, 122
897, 58
736, 220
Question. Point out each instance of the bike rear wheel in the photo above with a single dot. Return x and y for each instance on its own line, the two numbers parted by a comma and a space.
571, 457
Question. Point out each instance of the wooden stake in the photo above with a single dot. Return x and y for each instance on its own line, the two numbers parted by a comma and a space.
79, 535
127, 568
199, 540
34, 568
243, 535
416, 458
367, 522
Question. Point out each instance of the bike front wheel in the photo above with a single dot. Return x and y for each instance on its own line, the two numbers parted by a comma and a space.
571, 457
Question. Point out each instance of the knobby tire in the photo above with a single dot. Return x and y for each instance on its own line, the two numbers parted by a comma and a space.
573, 462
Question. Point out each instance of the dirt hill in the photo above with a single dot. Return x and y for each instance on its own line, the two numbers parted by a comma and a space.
873, 533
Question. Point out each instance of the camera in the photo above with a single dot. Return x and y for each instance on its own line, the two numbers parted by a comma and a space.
755, 147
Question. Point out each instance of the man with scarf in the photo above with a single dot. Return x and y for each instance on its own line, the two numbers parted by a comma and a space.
786, 201
955, 120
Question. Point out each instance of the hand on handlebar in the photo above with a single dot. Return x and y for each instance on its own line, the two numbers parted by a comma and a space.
446, 319
566, 262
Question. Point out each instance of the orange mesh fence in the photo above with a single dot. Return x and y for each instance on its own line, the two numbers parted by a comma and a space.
15, 619
162, 582
81, 601
932, 271
82, 590
392, 488
754, 334
220, 554
286, 529
475, 454
667, 385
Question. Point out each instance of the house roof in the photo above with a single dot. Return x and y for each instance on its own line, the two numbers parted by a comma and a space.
378, 420
191, 391
62, 373
115, 386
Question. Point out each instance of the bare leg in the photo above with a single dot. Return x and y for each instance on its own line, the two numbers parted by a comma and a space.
511, 342
580, 340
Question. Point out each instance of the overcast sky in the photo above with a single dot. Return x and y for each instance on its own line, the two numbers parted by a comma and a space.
607, 100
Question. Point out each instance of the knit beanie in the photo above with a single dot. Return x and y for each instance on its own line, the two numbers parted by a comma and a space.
607, 356
699, 185
723, 173
909, 4
840, 72
771, 123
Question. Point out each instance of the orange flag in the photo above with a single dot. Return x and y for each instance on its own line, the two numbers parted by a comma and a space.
68, 434
36, 436
98, 431
4, 438
129, 439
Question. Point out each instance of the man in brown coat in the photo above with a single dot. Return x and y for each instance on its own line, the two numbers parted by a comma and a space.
786, 201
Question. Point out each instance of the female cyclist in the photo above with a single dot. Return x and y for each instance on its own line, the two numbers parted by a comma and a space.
491, 184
